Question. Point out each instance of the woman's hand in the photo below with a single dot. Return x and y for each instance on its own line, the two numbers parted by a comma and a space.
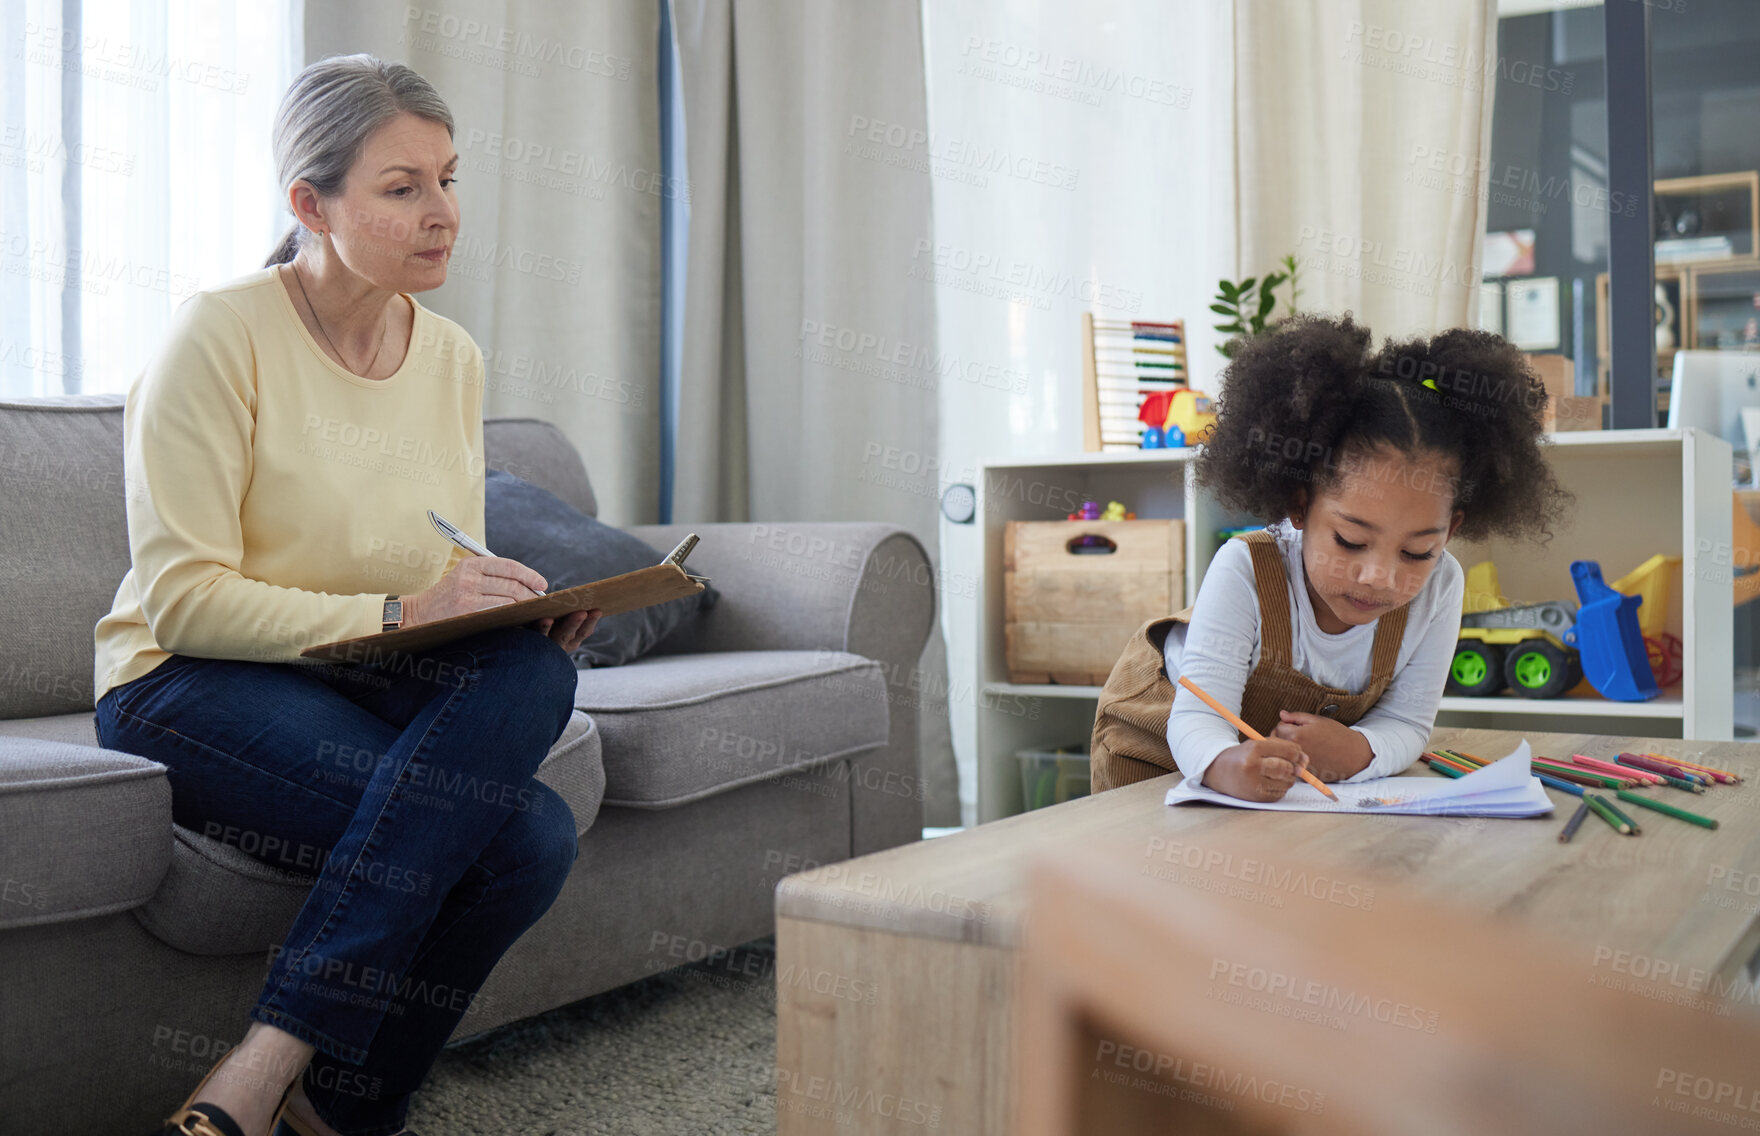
573, 629
1256, 770
1337, 750
475, 583
482, 582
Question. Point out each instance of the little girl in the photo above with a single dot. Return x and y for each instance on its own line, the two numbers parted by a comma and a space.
1331, 631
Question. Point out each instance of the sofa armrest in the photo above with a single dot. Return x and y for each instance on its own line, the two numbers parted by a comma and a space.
83, 831
862, 587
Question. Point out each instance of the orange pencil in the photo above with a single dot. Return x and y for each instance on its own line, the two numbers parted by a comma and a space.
1235, 721
1723, 775
1444, 759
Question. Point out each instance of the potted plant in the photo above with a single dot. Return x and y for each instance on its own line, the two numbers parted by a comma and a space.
1248, 305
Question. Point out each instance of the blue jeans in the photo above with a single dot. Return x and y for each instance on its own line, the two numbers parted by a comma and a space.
406, 788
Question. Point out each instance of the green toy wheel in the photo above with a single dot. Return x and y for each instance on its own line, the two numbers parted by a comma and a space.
1477, 669
1537, 669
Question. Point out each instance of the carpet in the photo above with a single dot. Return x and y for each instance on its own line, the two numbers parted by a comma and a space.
687, 1051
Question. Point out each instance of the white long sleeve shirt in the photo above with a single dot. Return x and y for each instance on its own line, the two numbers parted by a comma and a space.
1220, 648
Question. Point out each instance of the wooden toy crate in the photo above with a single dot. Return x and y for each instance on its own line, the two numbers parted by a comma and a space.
1068, 615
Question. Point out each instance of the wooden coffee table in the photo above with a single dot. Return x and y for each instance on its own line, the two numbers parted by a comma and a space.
897, 971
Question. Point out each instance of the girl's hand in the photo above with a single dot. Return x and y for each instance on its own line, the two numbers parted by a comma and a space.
573, 628
1337, 750
1256, 770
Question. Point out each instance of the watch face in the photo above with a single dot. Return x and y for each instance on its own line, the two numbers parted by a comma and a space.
959, 503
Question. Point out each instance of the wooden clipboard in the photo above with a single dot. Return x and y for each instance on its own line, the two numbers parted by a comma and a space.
642, 588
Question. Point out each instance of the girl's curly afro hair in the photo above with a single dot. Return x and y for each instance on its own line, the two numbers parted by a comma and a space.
1304, 400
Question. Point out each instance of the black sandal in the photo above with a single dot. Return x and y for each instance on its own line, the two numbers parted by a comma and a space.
198, 1118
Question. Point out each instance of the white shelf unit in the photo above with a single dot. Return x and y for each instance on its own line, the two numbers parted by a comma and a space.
1638, 492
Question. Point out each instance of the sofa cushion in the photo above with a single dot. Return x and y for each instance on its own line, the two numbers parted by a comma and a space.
534, 526
83, 831
196, 893
66, 547
74, 729
678, 728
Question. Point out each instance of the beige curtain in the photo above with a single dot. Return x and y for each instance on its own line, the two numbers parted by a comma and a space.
556, 273
1363, 128
808, 371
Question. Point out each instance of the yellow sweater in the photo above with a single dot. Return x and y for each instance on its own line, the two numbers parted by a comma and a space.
275, 499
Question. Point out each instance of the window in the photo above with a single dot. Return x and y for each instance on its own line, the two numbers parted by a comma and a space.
1548, 202
1551, 201
135, 169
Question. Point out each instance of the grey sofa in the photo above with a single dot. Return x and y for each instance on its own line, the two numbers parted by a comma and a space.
765, 739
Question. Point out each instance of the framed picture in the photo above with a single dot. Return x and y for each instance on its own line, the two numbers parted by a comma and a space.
1531, 320
1508, 254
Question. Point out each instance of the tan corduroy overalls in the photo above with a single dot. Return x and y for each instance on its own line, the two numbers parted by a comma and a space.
1130, 725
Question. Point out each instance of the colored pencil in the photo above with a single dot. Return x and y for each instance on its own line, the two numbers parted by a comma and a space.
1596, 765
1688, 765
1444, 768
1450, 762
1676, 782
1662, 767
1599, 808
1576, 822
1670, 810
1542, 770
1467, 758
1620, 814
1685, 767
1580, 776
1240, 724
1666, 768
1564, 786
1616, 773
1723, 775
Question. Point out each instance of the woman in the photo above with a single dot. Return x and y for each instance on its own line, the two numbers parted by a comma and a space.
282, 451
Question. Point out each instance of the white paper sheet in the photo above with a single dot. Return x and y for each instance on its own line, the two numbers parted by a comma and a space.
1505, 788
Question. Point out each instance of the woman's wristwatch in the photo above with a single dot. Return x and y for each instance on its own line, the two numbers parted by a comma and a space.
393, 617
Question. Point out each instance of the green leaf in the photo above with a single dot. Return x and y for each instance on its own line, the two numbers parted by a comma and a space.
1235, 327
1272, 280
1266, 300
1224, 309
1229, 291
1247, 284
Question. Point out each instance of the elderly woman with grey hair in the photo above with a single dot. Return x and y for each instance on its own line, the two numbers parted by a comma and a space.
281, 453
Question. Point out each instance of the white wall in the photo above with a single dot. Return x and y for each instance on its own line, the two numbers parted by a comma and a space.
1082, 160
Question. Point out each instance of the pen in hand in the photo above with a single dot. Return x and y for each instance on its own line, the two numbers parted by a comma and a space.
1240, 724
459, 537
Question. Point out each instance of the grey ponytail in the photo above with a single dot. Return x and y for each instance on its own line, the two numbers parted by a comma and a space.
326, 116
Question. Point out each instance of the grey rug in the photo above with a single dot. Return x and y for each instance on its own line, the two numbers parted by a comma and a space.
691, 1050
